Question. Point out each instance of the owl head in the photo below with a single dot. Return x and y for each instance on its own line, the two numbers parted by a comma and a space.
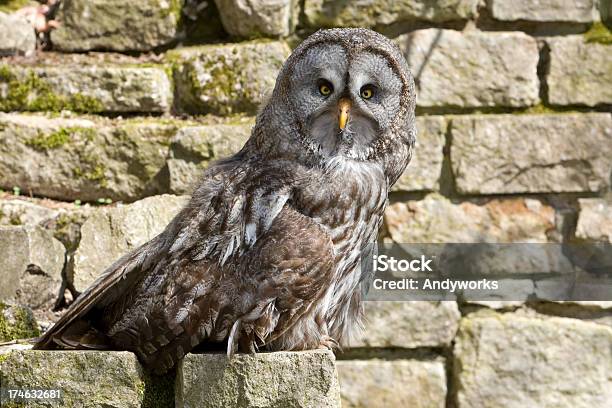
343, 93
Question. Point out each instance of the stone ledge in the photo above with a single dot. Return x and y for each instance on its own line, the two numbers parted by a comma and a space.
85, 378
304, 379
98, 379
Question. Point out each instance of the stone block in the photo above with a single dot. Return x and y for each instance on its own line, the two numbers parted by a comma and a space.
572, 11
117, 25
261, 18
425, 169
193, 148
394, 324
472, 69
354, 13
435, 219
227, 78
31, 263
517, 361
507, 154
15, 211
85, 379
579, 72
84, 159
17, 35
282, 379
392, 383
595, 220
110, 233
84, 85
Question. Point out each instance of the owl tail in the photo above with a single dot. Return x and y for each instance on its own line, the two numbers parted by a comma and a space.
80, 335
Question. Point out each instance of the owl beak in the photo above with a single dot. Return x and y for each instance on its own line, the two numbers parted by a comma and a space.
344, 106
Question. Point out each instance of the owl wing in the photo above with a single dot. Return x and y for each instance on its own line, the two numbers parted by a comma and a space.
254, 297
72, 332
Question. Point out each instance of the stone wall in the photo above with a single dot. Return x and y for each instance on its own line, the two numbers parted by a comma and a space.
104, 132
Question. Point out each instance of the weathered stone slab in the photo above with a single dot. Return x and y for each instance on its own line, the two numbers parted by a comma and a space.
472, 69
137, 25
578, 11
287, 379
22, 212
595, 219
227, 78
409, 324
516, 361
353, 13
110, 233
425, 169
498, 154
86, 379
435, 219
193, 148
17, 322
87, 86
394, 383
31, 263
579, 73
17, 35
83, 159
260, 18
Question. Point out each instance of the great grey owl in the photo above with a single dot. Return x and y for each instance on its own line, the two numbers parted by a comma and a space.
267, 253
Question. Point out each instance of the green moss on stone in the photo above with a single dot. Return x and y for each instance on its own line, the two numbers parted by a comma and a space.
60, 137
51, 141
30, 93
82, 103
8, 6
158, 390
598, 33
15, 220
541, 109
63, 230
176, 9
92, 169
17, 322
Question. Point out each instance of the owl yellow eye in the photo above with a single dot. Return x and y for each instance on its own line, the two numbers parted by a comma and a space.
367, 92
325, 89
